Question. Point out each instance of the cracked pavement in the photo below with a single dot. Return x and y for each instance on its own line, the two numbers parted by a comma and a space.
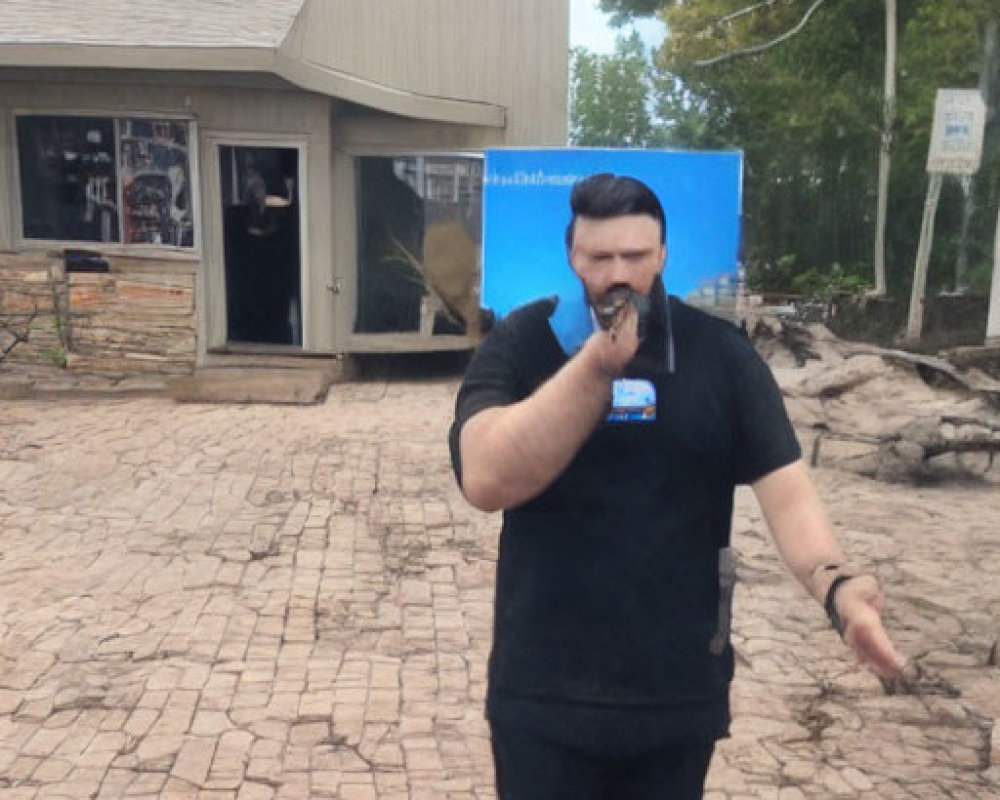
254, 602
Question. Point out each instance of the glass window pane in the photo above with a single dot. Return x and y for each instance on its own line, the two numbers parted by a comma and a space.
156, 183
68, 178
420, 234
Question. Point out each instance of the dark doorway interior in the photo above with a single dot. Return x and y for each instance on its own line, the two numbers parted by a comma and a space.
260, 201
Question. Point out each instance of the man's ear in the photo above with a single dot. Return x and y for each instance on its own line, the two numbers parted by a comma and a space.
569, 260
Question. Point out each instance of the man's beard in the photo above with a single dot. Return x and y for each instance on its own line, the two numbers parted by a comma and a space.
650, 358
607, 305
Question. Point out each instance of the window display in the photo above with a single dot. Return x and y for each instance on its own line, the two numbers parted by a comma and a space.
156, 199
92, 179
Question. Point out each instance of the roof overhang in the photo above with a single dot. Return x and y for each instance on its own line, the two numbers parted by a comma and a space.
304, 74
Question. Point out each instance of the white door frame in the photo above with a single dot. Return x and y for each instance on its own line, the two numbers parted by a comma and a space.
211, 289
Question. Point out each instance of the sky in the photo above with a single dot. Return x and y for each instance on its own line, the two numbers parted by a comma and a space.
588, 27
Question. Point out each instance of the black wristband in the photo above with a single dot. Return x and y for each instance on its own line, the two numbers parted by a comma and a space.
830, 605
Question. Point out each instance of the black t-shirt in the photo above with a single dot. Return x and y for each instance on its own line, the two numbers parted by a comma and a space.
608, 581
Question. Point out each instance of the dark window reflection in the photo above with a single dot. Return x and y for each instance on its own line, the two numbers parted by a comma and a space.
71, 180
68, 178
420, 233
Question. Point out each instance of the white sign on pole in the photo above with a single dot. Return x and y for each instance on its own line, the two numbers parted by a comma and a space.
957, 136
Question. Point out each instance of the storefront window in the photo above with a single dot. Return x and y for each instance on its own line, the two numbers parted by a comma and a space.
92, 179
420, 235
68, 178
156, 180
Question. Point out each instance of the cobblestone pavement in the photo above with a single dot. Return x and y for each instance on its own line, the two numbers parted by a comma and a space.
241, 603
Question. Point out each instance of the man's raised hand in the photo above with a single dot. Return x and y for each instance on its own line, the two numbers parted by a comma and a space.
610, 351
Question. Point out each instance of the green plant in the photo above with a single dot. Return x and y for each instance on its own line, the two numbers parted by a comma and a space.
822, 286
57, 355
773, 277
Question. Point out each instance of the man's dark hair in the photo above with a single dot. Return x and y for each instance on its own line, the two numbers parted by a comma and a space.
603, 196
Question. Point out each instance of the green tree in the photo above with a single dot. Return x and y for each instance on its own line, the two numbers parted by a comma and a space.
798, 86
805, 113
609, 97
624, 10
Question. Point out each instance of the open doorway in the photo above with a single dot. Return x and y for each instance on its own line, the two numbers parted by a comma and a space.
262, 239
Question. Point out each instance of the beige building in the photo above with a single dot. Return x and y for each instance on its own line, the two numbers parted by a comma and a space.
190, 180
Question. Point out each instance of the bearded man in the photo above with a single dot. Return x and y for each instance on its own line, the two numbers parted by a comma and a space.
614, 462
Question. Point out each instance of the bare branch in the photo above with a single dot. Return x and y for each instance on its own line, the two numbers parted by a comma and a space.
737, 14
748, 51
18, 333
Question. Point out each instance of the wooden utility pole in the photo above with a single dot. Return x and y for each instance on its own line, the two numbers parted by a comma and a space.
885, 152
968, 184
990, 88
993, 319
915, 322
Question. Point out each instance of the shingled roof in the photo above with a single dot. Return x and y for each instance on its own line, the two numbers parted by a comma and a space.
152, 23
209, 35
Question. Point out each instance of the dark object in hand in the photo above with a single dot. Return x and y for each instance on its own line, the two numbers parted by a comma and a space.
609, 305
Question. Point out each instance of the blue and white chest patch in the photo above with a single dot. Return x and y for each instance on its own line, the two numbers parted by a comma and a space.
632, 400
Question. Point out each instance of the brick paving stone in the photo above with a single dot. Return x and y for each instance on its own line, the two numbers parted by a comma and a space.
51, 770
194, 760
243, 602
255, 791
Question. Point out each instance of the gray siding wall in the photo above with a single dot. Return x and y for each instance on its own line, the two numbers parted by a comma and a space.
509, 52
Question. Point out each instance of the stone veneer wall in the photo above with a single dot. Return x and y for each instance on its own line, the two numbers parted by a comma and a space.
139, 318
33, 300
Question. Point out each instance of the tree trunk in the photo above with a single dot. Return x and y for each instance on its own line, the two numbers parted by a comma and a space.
915, 322
991, 92
993, 318
885, 153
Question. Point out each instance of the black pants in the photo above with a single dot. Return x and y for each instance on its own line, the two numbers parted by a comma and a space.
535, 762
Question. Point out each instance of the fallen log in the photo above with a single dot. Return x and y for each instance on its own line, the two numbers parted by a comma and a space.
949, 375
838, 379
905, 454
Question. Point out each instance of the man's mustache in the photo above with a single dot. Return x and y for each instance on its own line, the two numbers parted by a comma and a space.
610, 304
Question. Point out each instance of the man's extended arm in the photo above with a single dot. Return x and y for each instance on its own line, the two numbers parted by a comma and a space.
795, 515
512, 453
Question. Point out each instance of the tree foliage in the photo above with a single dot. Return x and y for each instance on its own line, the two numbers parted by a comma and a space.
807, 113
623, 11
608, 97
